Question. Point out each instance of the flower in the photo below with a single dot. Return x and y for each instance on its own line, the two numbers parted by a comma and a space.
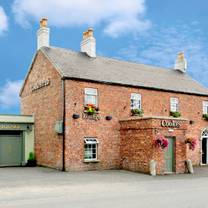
192, 143
161, 142
91, 109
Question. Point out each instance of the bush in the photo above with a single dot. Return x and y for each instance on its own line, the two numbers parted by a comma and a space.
31, 156
31, 162
175, 114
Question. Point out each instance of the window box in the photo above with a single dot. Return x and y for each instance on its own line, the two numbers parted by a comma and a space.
205, 116
137, 112
175, 114
91, 109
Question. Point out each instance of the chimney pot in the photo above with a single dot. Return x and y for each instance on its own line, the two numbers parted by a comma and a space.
43, 34
44, 22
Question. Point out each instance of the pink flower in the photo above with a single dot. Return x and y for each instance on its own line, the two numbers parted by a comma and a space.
161, 142
192, 143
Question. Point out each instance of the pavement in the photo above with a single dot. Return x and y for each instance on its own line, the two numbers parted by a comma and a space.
43, 188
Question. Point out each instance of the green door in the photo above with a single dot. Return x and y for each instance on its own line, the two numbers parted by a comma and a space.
11, 150
169, 156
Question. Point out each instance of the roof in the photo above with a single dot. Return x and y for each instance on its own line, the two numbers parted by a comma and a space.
71, 64
4, 118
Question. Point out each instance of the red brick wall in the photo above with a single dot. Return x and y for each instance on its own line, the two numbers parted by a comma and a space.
115, 101
137, 144
46, 105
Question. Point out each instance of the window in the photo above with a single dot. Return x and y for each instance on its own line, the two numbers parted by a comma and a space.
174, 106
90, 96
135, 101
205, 107
90, 149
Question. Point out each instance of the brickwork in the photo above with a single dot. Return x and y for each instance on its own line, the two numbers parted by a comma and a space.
138, 149
46, 105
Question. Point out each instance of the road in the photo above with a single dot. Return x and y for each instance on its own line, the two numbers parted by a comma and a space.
44, 188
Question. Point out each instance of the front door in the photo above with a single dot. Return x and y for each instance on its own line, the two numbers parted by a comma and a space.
204, 151
169, 156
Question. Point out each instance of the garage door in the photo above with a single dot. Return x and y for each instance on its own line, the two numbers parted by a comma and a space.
11, 150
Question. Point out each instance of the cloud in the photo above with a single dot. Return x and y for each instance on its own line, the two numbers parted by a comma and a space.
118, 17
9, 94
161, 45
3, 21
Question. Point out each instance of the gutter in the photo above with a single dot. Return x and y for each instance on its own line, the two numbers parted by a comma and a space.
64, 123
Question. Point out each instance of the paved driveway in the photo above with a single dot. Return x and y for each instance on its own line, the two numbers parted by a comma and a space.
43, 187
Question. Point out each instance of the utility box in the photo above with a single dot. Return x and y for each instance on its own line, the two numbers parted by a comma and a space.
59, 127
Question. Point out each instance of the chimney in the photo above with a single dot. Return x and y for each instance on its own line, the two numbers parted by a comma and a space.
181, 63
43, 34
88, 44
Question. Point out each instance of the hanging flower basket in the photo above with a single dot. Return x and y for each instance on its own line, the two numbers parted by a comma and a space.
192, 143
161, 142
90, 109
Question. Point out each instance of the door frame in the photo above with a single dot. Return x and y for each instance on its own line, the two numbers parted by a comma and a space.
204, 135
173, 156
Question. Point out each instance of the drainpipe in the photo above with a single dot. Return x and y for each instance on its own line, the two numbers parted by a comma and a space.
64, 118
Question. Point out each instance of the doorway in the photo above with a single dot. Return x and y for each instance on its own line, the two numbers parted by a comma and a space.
204, 151
169, 156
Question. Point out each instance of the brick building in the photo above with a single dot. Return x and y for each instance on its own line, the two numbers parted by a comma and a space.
93, 112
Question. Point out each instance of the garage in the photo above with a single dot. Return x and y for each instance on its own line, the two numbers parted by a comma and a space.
16, 139
11, 148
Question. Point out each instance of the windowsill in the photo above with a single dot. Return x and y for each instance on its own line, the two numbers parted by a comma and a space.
91, 161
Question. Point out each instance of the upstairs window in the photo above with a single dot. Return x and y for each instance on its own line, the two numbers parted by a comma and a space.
135, 101
91, 96
174, 105
205, 107
90, 148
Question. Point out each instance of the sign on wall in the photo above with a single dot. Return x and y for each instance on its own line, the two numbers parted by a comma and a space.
170, 123
13, 126
40, 85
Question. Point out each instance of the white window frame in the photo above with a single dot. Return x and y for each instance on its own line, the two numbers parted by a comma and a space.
90, 141
174, 104
93, 93
136, 101
205, 107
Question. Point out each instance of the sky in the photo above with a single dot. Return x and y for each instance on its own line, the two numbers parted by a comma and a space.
143, 31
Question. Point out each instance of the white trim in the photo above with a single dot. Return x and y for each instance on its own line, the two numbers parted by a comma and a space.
201, 143
91, 141
137, 98
174, 104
